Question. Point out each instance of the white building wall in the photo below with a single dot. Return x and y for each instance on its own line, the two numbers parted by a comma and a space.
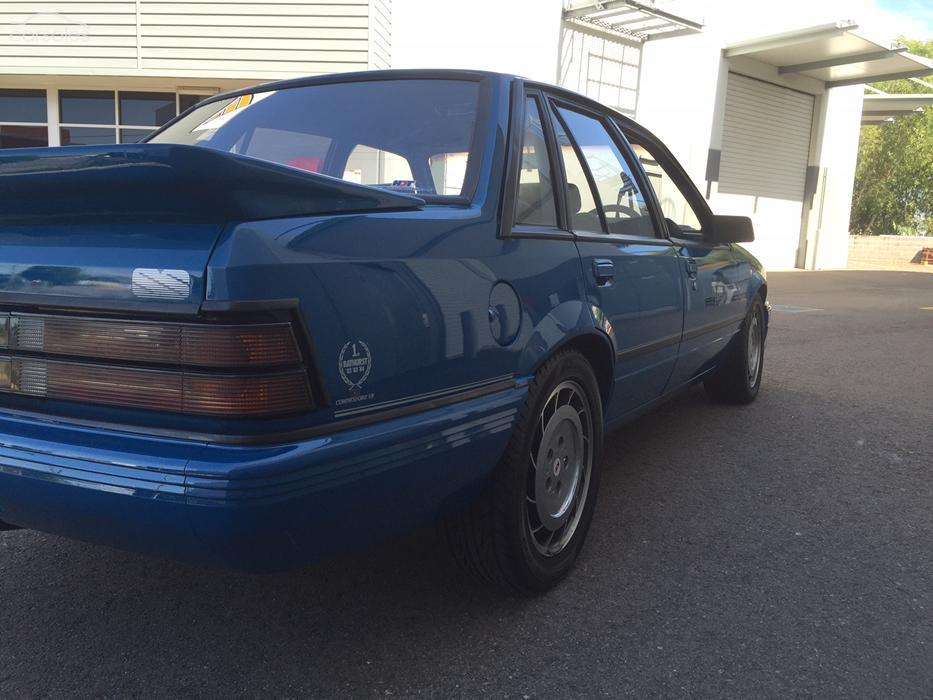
681, 99
508, 36
678, 97
380, 34
836, 151
607, 71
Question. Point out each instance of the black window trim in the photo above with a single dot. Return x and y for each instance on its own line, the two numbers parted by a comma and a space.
604, 116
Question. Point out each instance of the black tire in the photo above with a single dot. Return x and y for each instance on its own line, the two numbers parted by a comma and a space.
494, 539
736, 380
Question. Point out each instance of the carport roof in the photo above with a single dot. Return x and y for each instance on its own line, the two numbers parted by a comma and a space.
833, 53
877, 109
627, 19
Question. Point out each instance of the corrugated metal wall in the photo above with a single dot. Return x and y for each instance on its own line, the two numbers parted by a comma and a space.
765, 139
262, 39
380, 34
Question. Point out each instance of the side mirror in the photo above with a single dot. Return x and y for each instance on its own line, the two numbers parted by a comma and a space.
731, 229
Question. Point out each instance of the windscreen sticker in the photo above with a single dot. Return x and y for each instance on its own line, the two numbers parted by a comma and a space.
409, 186
231, 109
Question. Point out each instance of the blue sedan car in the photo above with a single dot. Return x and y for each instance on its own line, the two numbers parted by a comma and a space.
308, 315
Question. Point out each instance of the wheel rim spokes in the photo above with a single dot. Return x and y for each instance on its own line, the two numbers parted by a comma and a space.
754, 349
560, 464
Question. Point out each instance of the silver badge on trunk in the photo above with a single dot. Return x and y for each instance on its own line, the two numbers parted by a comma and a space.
149, 283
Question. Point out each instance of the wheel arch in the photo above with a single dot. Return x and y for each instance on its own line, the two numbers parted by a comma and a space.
596, 348
572, 325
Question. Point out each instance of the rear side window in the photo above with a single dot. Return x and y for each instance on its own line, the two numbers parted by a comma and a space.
401, 135
620, 197
535, 202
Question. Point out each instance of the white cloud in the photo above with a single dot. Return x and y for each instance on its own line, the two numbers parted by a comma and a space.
739, 19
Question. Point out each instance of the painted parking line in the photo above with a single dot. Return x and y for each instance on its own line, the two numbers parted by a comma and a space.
783, 308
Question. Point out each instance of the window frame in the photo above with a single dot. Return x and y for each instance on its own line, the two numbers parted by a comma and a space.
604, 117
30, 125
115, 123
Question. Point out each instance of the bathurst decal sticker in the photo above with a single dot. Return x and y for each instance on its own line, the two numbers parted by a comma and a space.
354, 364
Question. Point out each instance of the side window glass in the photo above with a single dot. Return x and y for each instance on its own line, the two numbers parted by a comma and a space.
622, 201
373, 166
674, 205
535, 203
581, 202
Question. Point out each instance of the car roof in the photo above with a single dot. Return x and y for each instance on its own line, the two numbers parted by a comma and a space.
363, 76
410, 74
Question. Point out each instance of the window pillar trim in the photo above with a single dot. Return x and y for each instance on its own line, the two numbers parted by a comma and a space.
53, 117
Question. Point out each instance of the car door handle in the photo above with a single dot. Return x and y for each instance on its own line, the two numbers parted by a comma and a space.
604, 271
691, 265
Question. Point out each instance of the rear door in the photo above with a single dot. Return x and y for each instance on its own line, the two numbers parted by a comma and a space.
715, 284
632, 274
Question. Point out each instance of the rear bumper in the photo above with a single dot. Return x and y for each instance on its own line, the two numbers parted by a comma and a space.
253, 507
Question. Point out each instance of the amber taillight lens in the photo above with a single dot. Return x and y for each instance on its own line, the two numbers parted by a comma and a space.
162, 343
221, 370
159, 390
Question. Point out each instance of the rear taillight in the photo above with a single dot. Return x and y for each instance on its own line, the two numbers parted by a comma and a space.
161, 343
202, 369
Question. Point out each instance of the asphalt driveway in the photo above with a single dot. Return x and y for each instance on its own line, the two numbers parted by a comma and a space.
781, 548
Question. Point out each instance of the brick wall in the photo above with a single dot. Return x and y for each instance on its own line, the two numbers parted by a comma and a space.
884, 250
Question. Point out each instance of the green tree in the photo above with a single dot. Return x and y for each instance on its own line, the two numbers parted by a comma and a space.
893, 190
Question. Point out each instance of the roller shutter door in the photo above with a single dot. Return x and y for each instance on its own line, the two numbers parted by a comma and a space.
765, 140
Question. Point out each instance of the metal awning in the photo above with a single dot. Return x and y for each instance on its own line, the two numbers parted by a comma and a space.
833, 53
878, 109
627, 19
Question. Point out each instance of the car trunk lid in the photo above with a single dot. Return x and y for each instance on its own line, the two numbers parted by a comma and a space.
133, 226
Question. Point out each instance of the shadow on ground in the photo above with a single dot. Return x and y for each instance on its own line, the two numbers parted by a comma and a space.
771, 549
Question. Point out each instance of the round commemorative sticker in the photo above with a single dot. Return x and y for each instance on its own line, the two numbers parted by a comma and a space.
354, 363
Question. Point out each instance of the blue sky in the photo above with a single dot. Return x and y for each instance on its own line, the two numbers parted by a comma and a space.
920, 10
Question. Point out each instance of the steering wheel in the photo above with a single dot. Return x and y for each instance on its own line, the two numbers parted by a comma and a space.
621, 209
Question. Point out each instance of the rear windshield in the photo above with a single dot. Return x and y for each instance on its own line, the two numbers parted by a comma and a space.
414, 136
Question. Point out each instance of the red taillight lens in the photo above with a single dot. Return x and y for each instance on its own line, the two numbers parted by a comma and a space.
204, 369
163, 343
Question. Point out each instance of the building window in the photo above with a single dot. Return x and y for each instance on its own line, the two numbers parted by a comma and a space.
186, 102
23, 118
91, 117
613, 80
